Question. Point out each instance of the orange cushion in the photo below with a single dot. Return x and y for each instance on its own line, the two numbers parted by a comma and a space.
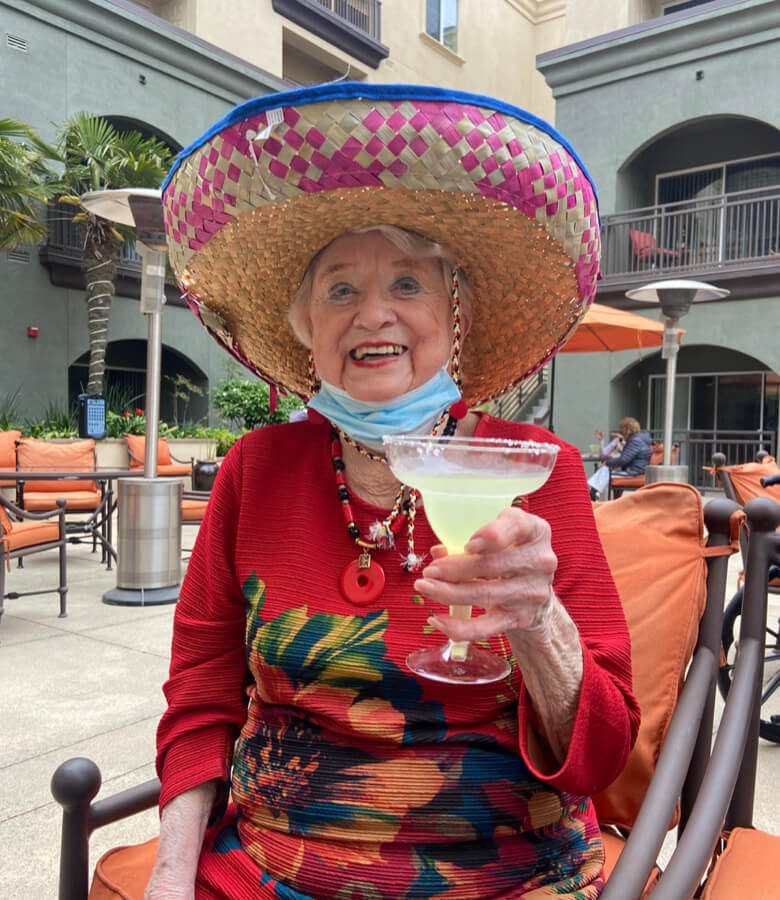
624, 481
613, 847
26, 534
8, 441
5, 521
177, 469
74, 500
746, 479
136, 444
124, 872
663, 589
193, 510
70, 456
747, 867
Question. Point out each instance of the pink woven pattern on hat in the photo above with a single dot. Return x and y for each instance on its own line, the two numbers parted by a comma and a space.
408, 144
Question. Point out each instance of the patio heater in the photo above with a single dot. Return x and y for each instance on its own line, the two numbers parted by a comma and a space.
675, 297
149, 528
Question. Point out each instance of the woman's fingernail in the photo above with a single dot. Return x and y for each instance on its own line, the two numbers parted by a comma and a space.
431, 572
433, 621
423, 585
476, 545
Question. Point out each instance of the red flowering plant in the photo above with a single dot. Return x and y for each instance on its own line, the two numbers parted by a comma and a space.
118, 424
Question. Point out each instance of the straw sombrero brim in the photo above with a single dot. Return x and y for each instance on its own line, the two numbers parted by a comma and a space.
245, 216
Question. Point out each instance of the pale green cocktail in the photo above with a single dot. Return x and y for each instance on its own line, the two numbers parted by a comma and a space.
465, 483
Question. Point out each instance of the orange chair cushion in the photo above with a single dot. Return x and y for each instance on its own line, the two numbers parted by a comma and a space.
124, 872
746, 480
654, 542
136, 445
613, 847
747, 867
71, 456
5, 520
625, 481
27, 534
193, 510
8, 441
174, 469
40, 501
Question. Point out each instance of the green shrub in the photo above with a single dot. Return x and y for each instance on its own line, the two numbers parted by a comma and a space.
246, 404
56, 422
118, 424
10, 414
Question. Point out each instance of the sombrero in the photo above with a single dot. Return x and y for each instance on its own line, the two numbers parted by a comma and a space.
249, 204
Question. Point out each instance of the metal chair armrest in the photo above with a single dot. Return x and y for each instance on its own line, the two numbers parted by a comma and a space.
20, 513
183, 462
74, 785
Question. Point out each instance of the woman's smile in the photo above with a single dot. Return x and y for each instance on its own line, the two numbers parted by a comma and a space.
377, 353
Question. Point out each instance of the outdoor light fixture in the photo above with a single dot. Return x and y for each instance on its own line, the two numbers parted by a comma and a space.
149, 552
675, 297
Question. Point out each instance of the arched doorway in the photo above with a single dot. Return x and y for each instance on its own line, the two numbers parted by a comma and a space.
183, 390
725, 400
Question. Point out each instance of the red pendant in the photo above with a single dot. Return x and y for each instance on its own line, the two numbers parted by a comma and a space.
362, 581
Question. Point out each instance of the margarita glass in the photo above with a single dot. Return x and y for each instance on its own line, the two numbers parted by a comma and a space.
465, 483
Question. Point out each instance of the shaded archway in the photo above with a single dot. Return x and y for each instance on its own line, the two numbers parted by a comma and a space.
126, 381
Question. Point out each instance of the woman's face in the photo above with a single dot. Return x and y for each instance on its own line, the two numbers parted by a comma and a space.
380, 321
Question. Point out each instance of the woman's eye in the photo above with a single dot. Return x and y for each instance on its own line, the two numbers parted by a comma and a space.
340, 293
407, 285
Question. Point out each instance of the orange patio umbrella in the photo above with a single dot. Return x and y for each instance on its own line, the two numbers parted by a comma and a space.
606, 328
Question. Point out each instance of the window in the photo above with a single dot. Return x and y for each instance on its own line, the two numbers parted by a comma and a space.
441, 22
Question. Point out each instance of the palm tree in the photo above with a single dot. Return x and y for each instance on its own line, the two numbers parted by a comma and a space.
99, 157
25, 184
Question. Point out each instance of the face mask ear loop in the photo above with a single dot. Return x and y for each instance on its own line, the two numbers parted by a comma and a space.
456, 329
314, 382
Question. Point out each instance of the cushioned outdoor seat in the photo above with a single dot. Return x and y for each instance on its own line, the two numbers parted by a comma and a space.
167, 465
620, 483
665, 589
8, 441
25, 533
70, 456
193, 510
741, 869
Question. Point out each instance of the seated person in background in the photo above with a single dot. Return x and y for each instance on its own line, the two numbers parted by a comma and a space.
632, 460
613, 447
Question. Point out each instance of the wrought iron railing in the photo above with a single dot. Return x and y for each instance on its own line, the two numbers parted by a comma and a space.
514, 405
697, 448
361, 14
726, 231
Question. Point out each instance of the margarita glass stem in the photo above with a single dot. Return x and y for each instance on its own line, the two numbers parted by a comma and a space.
459, 650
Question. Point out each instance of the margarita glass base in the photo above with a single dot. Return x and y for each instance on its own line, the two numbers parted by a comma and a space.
479, 666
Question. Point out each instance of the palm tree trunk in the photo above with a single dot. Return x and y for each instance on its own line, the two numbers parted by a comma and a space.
99, 264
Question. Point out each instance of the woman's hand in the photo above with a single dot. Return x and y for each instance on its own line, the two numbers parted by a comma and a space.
507, 569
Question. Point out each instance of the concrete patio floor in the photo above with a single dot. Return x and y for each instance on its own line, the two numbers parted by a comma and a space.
90, 685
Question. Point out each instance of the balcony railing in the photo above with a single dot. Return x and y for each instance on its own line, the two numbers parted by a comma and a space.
698, 446
62, 252
360, 14
728, 231
352, 25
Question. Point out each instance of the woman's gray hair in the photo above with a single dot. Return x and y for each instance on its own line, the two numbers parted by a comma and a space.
409, 242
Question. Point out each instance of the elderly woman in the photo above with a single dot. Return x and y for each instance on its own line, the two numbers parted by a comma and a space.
429, 249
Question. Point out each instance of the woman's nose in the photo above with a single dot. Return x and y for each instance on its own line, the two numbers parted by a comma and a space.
374, 310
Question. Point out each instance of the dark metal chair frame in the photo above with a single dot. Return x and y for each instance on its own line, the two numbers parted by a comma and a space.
678, 775
22, 515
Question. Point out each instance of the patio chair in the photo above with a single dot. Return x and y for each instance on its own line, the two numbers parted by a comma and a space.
8, 441
193, 509
742, 484
746, 857
645, 248
24, 533
167, 464
80, 495
620, 483
676, 584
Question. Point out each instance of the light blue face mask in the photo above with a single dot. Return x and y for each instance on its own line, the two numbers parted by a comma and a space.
411, 413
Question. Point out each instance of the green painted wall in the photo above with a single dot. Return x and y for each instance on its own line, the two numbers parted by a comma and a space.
88, 55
